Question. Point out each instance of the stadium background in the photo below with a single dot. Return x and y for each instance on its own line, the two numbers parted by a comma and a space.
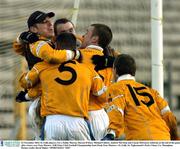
131, 25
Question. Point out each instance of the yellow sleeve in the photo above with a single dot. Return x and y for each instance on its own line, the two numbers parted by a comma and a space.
28, 80
22, 81
171, 122
161, 103
167, 115
98, 88
116, 120
107, 75
35, 91
115, 110
44, 51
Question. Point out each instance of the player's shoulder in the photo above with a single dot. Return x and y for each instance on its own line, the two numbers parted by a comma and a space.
116, 86
91, 51
38, 44
149, 89
42, 65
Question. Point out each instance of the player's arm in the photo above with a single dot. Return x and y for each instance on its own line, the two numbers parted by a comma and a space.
98, 88
116, 121
44, 51
171, 121
30, 79
30, 94
23, 40
35, 91
105, 61
115, 111
102, 62
167, 115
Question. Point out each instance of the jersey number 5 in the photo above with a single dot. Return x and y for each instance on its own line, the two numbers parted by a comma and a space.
62, 68
135, 90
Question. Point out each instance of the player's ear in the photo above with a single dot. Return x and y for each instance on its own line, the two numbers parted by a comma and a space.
95, 39
33, 29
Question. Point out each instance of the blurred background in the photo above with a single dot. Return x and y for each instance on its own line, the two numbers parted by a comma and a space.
131, 25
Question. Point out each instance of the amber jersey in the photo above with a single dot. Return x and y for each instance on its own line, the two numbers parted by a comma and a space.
137, 109
87, 55
24, 50
65, 87
43, 50
105, 74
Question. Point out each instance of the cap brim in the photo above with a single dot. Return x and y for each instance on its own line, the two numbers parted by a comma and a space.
42, 18
50, 14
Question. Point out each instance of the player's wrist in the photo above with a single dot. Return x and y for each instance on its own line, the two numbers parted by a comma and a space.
77, 54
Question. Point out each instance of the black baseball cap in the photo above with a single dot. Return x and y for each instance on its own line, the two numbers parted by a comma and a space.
38, 17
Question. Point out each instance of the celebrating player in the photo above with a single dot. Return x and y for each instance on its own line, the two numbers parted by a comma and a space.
136, 108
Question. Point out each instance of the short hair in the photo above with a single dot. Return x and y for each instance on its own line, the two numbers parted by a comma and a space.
60, 21
104, 33
125, 64
66, 41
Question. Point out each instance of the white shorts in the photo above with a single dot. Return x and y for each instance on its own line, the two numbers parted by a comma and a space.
99, 122
35, 118
63, 127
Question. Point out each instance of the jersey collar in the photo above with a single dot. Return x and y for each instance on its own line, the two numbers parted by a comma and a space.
126, 77
95, 47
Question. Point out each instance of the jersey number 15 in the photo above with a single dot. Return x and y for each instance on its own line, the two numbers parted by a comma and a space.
135, 90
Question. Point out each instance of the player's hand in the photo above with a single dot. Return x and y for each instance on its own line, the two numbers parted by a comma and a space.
102, 62
21, 97
108, 137
28, 37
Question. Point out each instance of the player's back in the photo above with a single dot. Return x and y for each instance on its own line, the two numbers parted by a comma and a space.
142, 117
66, 89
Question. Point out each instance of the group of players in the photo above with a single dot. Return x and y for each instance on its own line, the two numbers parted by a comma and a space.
83, 88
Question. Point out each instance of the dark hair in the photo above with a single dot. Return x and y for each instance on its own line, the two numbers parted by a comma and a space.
60, 21
109, 51
104, 33
66, 41
125, 64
